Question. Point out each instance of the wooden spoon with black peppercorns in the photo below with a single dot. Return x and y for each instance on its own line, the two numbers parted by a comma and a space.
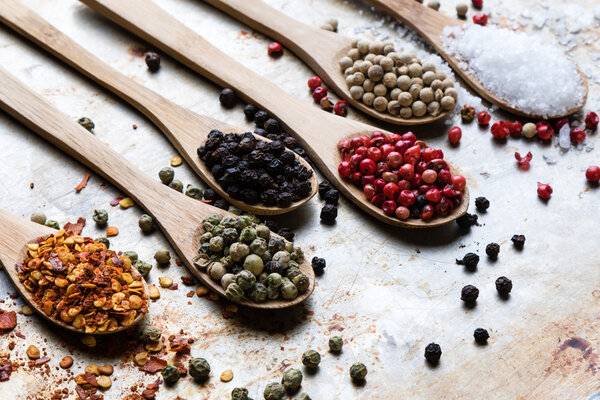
318, 132
185, 129
179, 216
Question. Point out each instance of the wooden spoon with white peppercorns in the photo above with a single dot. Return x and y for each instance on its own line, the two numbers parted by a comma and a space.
179, 216
17, 235
317, 131
322, 50
185, 129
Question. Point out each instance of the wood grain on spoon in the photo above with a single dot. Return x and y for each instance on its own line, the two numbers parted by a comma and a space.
179, 216
15, 234
429, 24
317, 131
320, 49
185, 129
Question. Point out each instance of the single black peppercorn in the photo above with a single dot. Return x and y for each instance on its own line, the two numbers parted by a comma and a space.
152, 61
260, 118
222, 204
482, 204
433, 352
467, 221
503, 286
272, 126
287, 234
469, 294
492, 250
324, 187
329, 213
272, 225
332, 196
227, 98
210, 194
318, 265
470, 261
250, 110
481, 336
518, 241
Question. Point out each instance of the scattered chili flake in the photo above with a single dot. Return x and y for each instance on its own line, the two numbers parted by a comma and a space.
42, 360
174, 286
190, 294
176, 161
126, 202
153, 365
112, 231
8, 320
75, 228
115, 202
188, 280
83, 183
523, 160
179, 344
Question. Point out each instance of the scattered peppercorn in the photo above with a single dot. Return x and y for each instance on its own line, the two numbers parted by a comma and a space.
518, 241
467, 220
227, 98
152, 61
592, 120
454, 135
328, 214
324, 187
166, 175
162, 257
86, 123
291, 379
503, 286
38, 217
480, 19
469, 294
433, 352
544, 191
332, 196
341, 108
239, 394
358, 372
482, 204
146, 223
170, 374
592, 174
177, 185
311, 359
100, 217
470, 261
274, 391
467, 113
318, 265
483, 118
275, 49
335, 344
481, 336
492, 250
249, 111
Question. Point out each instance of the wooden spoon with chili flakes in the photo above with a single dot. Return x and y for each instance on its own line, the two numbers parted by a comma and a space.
179, 216
17, 237
186, 130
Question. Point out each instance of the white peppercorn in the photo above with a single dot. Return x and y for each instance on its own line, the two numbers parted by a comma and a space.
428, 77
395, 93
529, 130
448, 103
428, 66
368, 98
354, 54
39, 217
368, 85
437, 84
403, 82
405, 57
426, 95
417, 81
333, 22
350, 80
356, 92
461, 10
327, 27
375, 47
414, 91
393, 107
363, 68
380, 90
441, 75
370, 58
375, 73
419, 108
406, 112
380, 103
377, 59
447, 83
346, 62
387, 64
403, 70
348, 72
363, 46
433, 108
415, 70
451, 92
405, 99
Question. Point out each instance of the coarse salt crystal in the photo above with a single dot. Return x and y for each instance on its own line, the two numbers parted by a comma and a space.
519, 68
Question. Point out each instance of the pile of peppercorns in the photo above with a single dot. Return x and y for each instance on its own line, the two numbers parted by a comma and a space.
401, 175
254, 171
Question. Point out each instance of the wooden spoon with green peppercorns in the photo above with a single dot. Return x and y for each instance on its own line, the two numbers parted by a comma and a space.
179, 216
185, 129
318, 132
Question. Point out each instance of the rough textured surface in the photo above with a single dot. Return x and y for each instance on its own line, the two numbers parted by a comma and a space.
387, 291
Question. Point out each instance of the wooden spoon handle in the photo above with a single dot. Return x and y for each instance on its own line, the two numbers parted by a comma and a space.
15, 232
35, 113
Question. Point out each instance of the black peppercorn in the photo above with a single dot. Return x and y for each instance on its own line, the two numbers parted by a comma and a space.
227, 98
492, 250
287, 234
467, 221
503, 286
433, 352
269, 197
329, 213
222, 204
284, 199
272, 126
234, 190
518, 241
290, 142
324, 187
481, 335
249, 196
260, 118
261, 132
332, 196
210, 194
272, 225
152, 61
272, 267
482, 204
469, 294
470, 261
318, 265
250, 110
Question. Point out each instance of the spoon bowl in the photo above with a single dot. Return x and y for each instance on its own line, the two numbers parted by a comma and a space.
15, 234
180, 221
185, 129
317, 131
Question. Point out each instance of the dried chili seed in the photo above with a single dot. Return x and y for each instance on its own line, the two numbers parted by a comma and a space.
503, 286
518, 241
467, 220
33, 352
433, 353
492, 250
481, 336
152, 61
482, 204
66, 362
469, 294
226, 376
470, 261
106, 369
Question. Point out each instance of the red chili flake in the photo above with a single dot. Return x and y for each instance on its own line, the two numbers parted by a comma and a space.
179, 344
523, 160
153, 365
19, 334
188, 280
275, 49
83, 183
81, 392
190, 294
42, 360
8, 320
174, 286
75, 228
115, 202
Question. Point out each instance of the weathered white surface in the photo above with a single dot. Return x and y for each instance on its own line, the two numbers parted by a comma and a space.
389, 298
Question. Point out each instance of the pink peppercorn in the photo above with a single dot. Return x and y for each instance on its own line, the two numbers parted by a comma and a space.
478, 4
344, 169
483, 118
367, 166
454, 135
500, 130
523, 160
514, 128
480, 19
394, 159
369, 191
410, 137
429, 154
390, 191
444, 177
544, 130
411, 156
275, 49
378, 184
367, 179
577, 135
386, 149
429, 176
560, 123
375, 154
402, 213
407, 198
544, 190
341, 108
319, 93
427, 212
433, 195
459, 182
314, 82
449, 191
389, 207
378, 200
592, 174
591, 120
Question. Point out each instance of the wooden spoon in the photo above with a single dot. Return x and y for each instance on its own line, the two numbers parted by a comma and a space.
179, 216
15, 234
320, 49
430, 25
185, 129
317, 131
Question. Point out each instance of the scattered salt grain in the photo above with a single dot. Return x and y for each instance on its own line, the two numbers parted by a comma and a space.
520, 68
564, 137
550, 158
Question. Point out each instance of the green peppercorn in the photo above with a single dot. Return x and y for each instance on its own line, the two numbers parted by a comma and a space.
335, 344
263, 232
101, 239
297, 254
288, 290
149, 333
177, 185
274, 280
258, 246
143, 268
201, 261
301, 282
199, 368
234, 210
132, 255
358, 371
38, 218
213, 219
100, 217
146, 223
258, 293
228, 222
311, 359
283, 257
292, 379
216, 270
170, 374
239, 394
216, 244
166, 175
162, 256
238, 251
234, 292
52, 224
227, 280
274, 391
247, 235
86, 123
194, 192
245, 279
254, 264
276, 244
205, 237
